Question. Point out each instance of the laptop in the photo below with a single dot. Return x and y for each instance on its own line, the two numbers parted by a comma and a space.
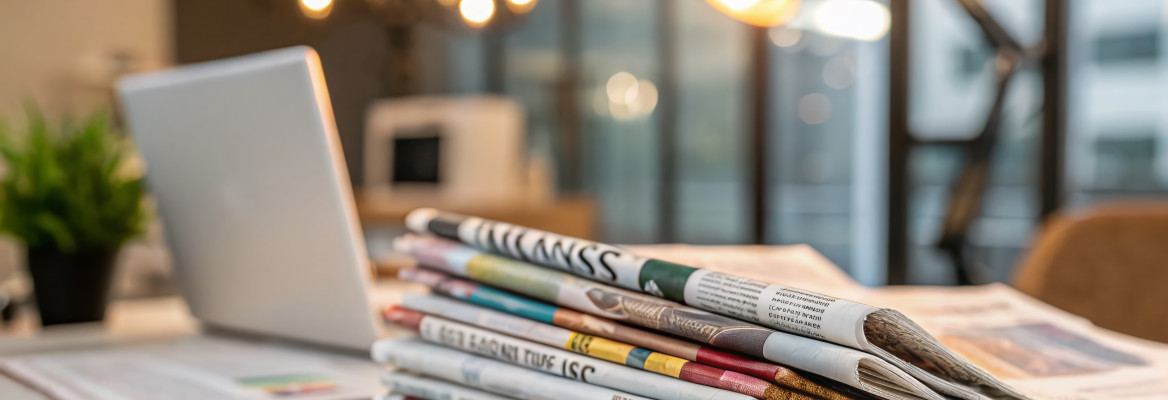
243, 160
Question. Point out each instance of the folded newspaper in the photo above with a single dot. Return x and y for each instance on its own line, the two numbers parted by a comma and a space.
596, 347
899, 342
572, 321
552, 361
482, 373
842, 364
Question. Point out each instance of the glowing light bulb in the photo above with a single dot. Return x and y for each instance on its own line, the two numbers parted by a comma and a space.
316, 8
854, 19
477, 13
520, 6
758, 12
738, 4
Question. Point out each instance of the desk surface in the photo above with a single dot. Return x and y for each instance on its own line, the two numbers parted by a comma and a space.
12, 390
126, 321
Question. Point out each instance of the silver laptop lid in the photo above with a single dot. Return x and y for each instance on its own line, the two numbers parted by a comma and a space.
243, 158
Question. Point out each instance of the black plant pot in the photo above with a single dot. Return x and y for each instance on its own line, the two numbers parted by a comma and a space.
71, 287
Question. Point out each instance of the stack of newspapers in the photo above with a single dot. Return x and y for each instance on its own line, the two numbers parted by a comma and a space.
521, 313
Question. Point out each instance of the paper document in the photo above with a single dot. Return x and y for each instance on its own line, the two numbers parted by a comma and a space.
413, 385
195, 368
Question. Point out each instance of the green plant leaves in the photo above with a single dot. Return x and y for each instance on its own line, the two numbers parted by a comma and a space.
63, 186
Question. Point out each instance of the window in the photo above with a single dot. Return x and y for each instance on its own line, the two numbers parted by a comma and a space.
1127, 47
1126, 163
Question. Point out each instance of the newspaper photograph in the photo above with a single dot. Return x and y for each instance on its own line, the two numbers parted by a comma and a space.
498, 300
845, 365
402, 383
598, 347
554, 361
883, 332
486, 374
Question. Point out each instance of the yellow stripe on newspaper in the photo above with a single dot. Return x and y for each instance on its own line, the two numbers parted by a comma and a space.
601, 348
664, 364
625, 354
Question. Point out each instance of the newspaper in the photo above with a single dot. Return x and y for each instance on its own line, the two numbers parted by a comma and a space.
486, 374
845, 365
883, 332
412, 385
573, 321
799, 265
553, 361
597, 347
1034, 347
1040, 350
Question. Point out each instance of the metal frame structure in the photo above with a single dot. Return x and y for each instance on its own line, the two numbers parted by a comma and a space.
1049, 57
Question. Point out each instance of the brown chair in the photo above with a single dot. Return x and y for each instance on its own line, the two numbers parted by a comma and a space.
1108, 264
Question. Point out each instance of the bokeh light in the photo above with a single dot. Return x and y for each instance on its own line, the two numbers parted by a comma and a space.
814, 109
618, 87
854, 19
626, 96
785, 36
476, 13
316, 9
758, 12
520, 6
838, 73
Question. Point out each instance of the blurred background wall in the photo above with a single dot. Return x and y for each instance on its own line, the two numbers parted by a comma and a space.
64, 53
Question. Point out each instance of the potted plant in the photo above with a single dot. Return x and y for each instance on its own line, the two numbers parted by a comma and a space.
67, 195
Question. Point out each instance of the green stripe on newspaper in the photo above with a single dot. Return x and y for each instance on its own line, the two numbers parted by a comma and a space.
665, 279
